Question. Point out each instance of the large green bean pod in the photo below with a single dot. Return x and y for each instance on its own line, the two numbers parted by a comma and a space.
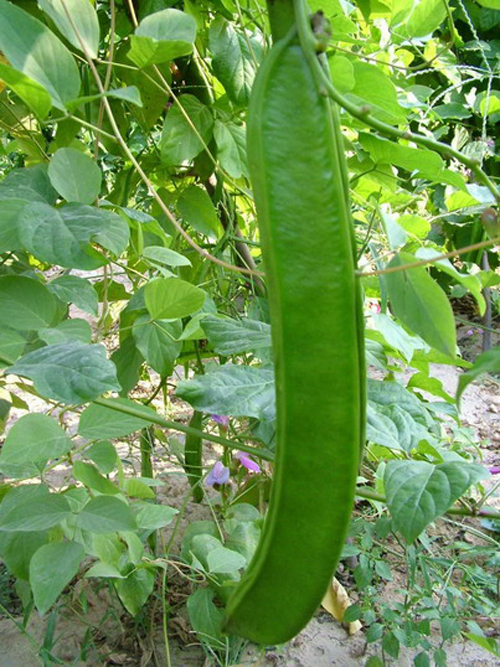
307, 244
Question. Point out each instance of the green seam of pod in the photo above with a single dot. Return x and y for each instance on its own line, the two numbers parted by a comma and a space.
306, 238
193, 455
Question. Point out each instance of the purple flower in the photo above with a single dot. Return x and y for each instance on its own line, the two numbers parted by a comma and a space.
222, 420
218, 475
471, 332
494, 470
247, 462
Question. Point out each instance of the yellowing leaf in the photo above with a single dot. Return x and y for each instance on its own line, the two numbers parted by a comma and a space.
336, 602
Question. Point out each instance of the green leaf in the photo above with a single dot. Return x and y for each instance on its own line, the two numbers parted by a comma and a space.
425, 163
419, 492
31, 92
129, 94
104, 455
172, 298
231, 148
230, 336
75, 176
17, 549
342, 73
179, 142
372, 86
72, 373
34, 50
11, 211
472, 283
233, 63
421, 305
157, 342
488, 643
161, 255
196, 208
25, 304
50, 236
222, 561
89, 475
204, 616
153, 517
135, 589
161, 37
34, 514
242, 391
422, 20
396, 336
105, 514
30, 184
100, 422
73, 289
12, 344
83, 17
33, 438
51, 569
488, 362
69, 330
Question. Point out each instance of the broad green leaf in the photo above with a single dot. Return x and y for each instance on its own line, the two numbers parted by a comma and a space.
425, 163
44, 231
127, 93
162, 36
97, 421
88, 474
196, 208
387, 393
104, 455
128, 361
106, 228
33, 438
424, 18
135, 488
244, 539
488, 362
83, 18
421, 305
52, 567
30, 184
69, 330
179, 141
25, 304
17, 549
205, 618
372, 86
161, 255
396, 336
380, 429
105, 514
34, 50
74, 175
415, 225
222, 560
419, 492
72, 373
235, 59
157, 342
11, 211
152, 517
231, 148
73, 289
242, 391
470, 282
135, 589
31, 92
34, 514
342, 73
230, 336
172, 298
12, 344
